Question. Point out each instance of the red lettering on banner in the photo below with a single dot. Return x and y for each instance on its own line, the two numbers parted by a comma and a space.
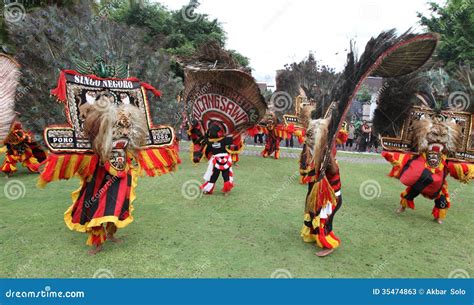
241, 118
199, 105
229, 108
206, 103
235, 111
220, 103
214, 101
223, 104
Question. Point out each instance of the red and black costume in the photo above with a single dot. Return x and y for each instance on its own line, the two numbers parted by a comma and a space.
217, 147
317, 164
323, 200
221, 105
196, 135
415, 172
428, 143
104, 201
20, 147
272, 142
236, 148
274, 134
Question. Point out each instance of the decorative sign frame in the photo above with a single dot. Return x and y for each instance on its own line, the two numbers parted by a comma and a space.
75, 89
228, 97
292, 119
465, 153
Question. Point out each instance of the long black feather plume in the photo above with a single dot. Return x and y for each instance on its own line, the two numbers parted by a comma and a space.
386, 55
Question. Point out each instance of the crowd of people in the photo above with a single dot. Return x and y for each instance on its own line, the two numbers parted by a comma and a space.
361, 138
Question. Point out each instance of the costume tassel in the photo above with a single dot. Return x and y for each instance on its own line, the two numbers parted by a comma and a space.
158, 161
442, 213
406, 203
253, 131
462, 171
97, 236
342, 137
227, 187
66, 166
300, 135
321, 194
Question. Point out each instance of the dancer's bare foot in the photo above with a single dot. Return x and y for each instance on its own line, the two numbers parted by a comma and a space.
324, 252
439, 221
114, 239
400, 210
95, 250
236, 165
226, 194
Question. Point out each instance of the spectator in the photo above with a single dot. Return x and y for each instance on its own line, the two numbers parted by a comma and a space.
350, 136
366, 136
374, 142
258, 138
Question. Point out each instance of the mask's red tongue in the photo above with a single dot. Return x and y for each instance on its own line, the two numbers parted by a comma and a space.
120, 145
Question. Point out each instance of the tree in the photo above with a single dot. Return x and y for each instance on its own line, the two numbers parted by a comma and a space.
455, 24
363, 95
182, 31
241, 59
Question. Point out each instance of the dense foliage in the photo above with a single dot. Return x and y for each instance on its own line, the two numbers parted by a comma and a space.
455, 24
146, 36
181, 31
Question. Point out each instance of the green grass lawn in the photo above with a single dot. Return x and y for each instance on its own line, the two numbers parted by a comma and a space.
252, 233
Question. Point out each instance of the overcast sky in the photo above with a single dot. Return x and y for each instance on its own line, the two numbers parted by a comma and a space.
275, 32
